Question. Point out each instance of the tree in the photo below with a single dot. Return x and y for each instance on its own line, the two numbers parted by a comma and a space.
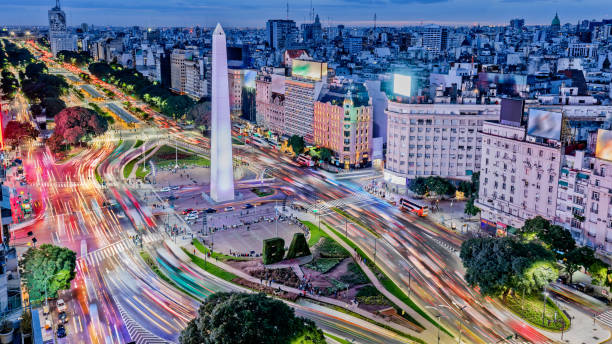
558, 239
297, 144
47, 267
325, 154
606, 64
242, 318
419, 186
45, 86
35, 70
498, 265
470, 208
52, 106
534, 226
577, 258
599, 272
55, 143
15, 132
75, 123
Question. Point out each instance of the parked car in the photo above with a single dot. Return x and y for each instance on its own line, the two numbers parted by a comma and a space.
228, 208
166, 189
210, 210
175, 187
61, 305
248, 206
63, 317
187, 211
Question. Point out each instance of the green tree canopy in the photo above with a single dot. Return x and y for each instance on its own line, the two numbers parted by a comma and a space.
497, 265
50, 266
434, 185
241, 318
35, 70
297, 144
599, 272
577, 258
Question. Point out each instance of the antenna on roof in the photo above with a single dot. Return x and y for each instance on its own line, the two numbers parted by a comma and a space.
57, 4
375, 21
287, 9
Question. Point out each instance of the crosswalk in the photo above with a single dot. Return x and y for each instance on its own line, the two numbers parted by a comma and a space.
606, 318
137, 333
355, 199
94, 258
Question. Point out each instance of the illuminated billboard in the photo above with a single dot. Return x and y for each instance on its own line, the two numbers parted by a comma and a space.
603, 150
249, 78
309, 70
544, 124
402, 85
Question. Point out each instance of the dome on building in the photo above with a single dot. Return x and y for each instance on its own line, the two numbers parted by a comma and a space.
556, 22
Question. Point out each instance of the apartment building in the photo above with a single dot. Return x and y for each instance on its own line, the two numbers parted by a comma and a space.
434, 140
584, 204
343, 122
518, 178
270, 101
235, 80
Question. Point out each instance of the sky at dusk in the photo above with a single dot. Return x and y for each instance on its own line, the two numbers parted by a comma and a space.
349, 12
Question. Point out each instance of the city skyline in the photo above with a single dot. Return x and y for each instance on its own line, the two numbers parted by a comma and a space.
359, 13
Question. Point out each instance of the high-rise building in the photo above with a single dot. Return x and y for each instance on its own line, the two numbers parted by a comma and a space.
435, 38
353, 45
59, 38
221, 167
343, 123
301, 91
434, 140
235, 79
280, 33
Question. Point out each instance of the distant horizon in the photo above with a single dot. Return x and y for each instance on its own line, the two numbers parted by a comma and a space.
352, 13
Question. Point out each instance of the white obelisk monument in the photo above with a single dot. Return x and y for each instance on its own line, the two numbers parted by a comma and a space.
221, 169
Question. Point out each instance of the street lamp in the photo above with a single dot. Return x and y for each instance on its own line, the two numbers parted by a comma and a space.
460, 318
437, 316
409, 278
544, 308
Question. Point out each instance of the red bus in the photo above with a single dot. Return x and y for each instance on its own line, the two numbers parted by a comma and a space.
305, 160
413, 207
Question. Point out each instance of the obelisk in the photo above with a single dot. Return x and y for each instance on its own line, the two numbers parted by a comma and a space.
221, 169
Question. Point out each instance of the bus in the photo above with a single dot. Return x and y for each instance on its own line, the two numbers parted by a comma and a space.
258, 142
413, 207
305, 160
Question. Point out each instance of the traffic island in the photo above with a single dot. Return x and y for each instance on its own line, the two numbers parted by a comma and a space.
531, 309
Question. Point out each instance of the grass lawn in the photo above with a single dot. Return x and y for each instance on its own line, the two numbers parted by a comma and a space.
210, 267
166, 156
237, 142
388, 283
262, 192
151, 263
355, 220
323, 265
336, 338
130, 165
532, 311
138, 143
220, 256
315, 233
141, 173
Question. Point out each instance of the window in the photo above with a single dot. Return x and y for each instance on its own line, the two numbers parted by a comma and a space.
595, 196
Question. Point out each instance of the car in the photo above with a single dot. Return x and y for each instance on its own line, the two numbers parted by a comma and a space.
61, 305
187, 211
248, 206
191, 217
175, 187
61, 331
172, 198
63, 318
166, 189
210, 210
228, 208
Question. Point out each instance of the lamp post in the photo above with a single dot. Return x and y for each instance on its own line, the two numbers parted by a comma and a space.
460, 318
438, 316
409, 280
544, 308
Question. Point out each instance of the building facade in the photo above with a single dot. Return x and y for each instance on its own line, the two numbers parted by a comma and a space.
518, 177
434, 140
300, 96
59, 38
584, 204
343, 123
435, 38
281, 33
270, 101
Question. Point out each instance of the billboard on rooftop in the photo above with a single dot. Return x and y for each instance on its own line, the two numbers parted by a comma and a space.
545, 124
603, 149
309, 70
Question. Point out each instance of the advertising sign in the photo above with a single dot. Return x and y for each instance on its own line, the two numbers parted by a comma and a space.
309, 70
402, 85
544, 124
603, 149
